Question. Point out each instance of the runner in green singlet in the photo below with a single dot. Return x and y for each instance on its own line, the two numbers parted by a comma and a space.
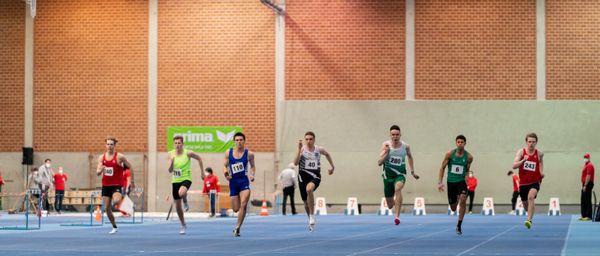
457, 162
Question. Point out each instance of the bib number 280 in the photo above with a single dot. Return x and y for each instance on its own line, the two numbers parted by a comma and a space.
396, 160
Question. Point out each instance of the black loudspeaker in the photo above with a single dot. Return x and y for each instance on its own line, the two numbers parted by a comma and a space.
27, 156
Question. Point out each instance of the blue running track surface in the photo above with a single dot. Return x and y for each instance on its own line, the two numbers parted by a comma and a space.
288, 235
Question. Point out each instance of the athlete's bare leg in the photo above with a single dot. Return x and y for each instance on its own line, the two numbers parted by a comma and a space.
531, 203
398, 198
309, 204
182, 193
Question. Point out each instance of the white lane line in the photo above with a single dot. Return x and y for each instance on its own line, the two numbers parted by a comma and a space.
399, 243
487, 241
563, 252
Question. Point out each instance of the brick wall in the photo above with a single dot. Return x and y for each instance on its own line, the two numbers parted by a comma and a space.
216, 68
12, 61
572, 50
475, 50
345, 50
216, 62
91, 62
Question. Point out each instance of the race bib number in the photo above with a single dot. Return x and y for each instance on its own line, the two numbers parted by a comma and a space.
529, 166
396, 160
177, 173
310, 164
237, 167
108, 171
457, 169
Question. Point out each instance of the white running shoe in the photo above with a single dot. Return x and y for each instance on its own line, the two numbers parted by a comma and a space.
113, 231
311, 223
512, 213
182, 230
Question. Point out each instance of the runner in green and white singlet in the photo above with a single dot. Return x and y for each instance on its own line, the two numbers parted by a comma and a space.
393, 156
180, 167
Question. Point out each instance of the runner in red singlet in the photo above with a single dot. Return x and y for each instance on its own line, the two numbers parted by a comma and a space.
530, 163
111, 166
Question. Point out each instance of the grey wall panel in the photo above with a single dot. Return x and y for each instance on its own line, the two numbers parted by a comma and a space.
353, 131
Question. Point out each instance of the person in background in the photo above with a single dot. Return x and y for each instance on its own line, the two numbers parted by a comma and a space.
46, 180
33, 183
587, 184
126, 188
515, 194
59, 186
126, 182
211, 182
1, 184
287, 182
471, 186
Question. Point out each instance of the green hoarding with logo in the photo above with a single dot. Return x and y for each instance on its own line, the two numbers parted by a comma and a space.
208, 139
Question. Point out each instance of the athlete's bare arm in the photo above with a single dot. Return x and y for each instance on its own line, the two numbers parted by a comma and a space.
192, 154
519, 159
442, 170
541, 155
100, 168
297, 159
226, 166
385, 150
170, 163
469, 162
328, 156
252, 166
410, 162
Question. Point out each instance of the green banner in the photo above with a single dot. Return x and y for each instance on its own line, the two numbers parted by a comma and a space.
210, 139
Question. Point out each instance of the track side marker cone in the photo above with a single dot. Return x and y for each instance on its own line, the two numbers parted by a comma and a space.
263, 209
